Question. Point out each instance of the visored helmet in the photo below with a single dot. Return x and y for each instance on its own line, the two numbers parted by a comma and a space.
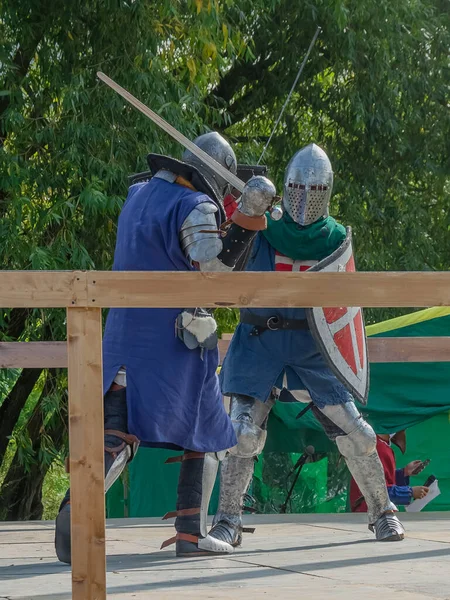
308, 183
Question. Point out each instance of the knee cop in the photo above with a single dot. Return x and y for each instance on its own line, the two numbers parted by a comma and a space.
362, 441
249, 418
344, 424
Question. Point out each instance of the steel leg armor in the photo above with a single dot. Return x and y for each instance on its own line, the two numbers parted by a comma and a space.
356, 442
249, 417
120, 448
195, 486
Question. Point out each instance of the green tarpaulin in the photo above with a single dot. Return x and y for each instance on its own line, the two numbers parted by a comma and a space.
413, 396
401, 394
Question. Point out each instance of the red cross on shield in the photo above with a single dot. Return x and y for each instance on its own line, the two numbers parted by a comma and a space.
340, 331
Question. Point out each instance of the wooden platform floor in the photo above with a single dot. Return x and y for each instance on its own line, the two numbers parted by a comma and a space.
289, 556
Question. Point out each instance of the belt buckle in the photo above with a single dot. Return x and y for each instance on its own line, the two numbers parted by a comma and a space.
271, 321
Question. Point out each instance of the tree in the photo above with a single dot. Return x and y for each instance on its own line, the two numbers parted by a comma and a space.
374, 94
68, 145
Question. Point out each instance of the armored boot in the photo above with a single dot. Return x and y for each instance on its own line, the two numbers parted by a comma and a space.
197, 476
235, 477
356, 441
368, 473
120, 448
249, 417
387, 528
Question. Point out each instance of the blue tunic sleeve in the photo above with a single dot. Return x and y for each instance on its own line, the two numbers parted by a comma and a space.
400, 494
400, 477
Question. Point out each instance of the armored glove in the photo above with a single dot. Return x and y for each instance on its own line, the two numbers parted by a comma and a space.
197, 328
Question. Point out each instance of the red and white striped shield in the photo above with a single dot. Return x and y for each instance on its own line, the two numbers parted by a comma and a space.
340, 331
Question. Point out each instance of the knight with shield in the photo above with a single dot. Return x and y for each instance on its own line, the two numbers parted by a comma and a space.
318, 351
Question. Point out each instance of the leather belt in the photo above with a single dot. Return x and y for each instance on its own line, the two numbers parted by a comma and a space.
273, 323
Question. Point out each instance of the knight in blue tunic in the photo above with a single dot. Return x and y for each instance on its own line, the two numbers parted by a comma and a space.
160, 365
274, 352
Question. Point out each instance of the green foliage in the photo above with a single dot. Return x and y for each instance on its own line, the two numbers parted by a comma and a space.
55, 486
227, 320
374, 94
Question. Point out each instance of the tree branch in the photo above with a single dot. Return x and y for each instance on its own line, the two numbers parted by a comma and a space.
13, 405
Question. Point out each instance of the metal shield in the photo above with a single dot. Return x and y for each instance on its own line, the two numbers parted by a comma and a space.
339, 332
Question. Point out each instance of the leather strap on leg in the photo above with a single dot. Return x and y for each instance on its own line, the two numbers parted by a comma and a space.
128, 440
183, 457
186, 537
186, 512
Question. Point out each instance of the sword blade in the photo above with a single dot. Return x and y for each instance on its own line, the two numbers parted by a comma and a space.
311, 45
179, 137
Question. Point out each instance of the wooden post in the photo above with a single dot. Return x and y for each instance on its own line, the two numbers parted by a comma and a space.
84, 337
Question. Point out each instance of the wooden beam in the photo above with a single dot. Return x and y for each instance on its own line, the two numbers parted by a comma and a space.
84, 337
168, 289
46, 289
171, 289
33, 355
224, 344
409, 349
41, 355
390, 350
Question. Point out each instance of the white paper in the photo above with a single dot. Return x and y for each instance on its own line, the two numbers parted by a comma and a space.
433, 493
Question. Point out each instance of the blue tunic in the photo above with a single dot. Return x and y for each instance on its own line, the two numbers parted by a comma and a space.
255, 364
173, 396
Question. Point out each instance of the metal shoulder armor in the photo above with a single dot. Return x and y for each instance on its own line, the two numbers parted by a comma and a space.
198, 236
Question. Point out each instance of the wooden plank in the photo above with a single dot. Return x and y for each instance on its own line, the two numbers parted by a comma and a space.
180, 289
46, 289
224, 344
84, 336
172, 289
33, 355
389, 350
409, 349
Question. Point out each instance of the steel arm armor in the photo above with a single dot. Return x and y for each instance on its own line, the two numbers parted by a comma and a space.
201, 241
202, 244
198, 236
